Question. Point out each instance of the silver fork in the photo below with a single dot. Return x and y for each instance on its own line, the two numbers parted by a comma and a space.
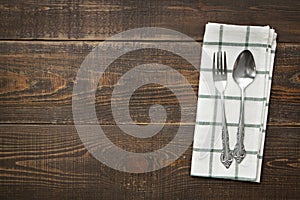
220, 81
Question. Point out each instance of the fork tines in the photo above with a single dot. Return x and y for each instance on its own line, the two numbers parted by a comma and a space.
221, 63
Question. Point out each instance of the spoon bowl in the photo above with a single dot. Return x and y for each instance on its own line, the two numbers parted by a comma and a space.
244, 70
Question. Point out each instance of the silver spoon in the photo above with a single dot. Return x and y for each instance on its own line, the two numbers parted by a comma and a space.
244, 72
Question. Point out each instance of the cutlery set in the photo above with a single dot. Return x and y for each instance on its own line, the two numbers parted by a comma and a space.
244, 72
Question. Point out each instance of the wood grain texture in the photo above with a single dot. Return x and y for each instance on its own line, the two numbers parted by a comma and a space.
36, 84
97, 20
50, 161
42, 45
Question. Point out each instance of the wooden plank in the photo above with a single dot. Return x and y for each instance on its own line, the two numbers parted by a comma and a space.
36, 84
94, 20
49, 161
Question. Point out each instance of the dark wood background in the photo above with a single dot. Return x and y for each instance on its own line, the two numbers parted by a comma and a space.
43, 43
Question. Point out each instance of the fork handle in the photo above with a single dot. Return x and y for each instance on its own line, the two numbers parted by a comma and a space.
226, 155
239, 151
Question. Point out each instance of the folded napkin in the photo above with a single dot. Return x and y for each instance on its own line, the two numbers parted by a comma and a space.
207, 147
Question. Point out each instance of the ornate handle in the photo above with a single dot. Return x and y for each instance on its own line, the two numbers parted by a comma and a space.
226, 155
239, 152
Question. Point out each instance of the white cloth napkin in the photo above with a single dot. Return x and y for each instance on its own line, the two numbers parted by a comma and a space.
261, 41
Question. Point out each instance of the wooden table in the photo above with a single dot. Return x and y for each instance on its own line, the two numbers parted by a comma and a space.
42, 47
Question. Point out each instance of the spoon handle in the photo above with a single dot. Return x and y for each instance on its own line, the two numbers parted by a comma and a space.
226, 155
239, 151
